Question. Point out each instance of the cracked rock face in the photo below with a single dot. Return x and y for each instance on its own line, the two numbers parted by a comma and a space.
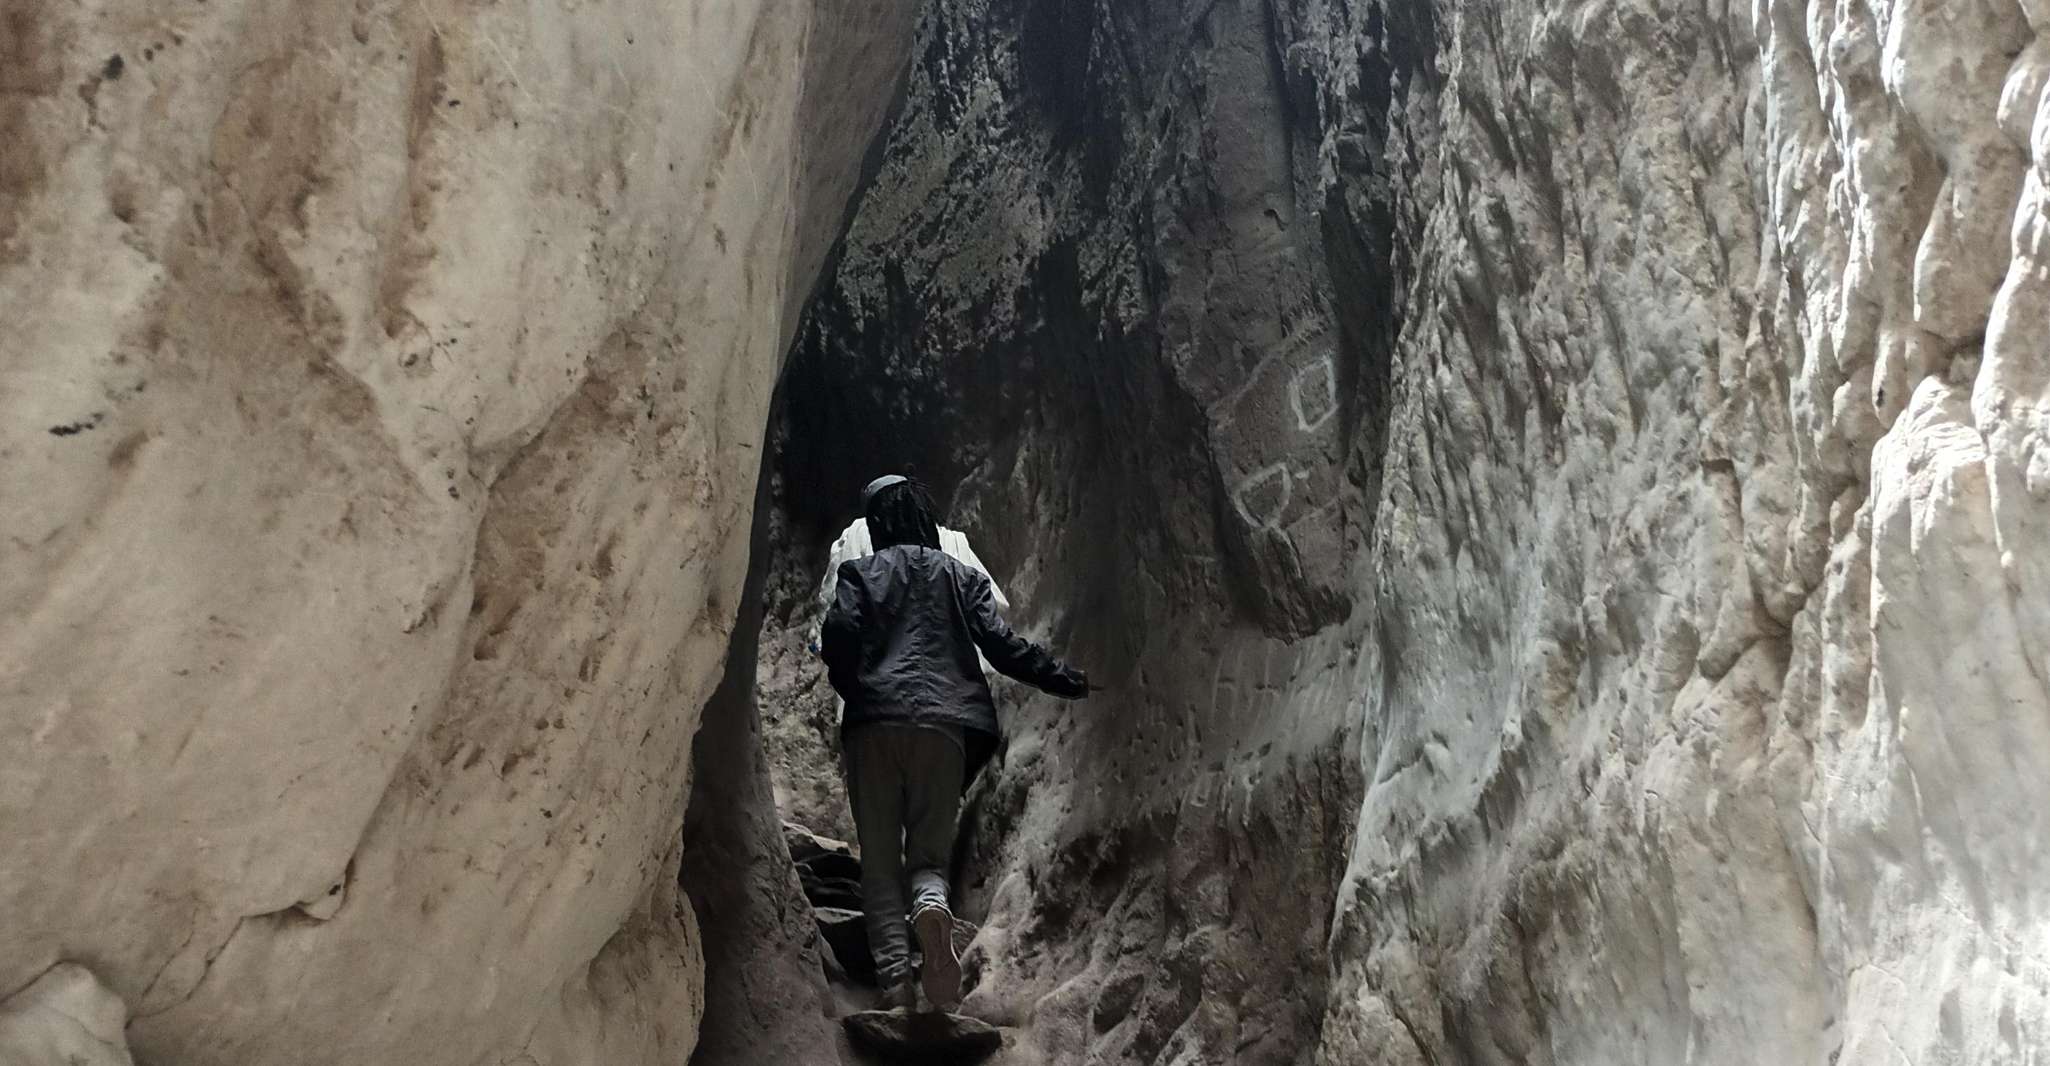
383, 389
1558, 489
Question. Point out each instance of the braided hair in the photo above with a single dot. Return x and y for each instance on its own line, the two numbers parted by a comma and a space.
902, 514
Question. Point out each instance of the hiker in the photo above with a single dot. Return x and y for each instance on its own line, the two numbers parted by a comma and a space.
854, 543
900, 644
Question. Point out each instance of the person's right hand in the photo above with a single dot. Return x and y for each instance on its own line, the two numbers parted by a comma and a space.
1069, 684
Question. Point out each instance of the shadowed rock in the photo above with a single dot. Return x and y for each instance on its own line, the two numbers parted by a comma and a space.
806, 845
846, 934
935, 1039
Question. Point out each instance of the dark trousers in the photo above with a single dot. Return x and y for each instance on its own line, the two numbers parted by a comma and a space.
904, 783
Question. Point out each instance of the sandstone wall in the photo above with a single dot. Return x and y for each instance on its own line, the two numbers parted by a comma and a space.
1557, 487
1707, 668
384, 385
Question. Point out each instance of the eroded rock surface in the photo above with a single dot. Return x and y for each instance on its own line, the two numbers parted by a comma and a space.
1665, 662
766, 996
1558, 489
64, 1018
383, 389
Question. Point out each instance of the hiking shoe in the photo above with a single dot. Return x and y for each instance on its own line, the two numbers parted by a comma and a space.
940, 973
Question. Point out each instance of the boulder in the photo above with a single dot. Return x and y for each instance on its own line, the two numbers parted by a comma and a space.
934, 1039
847, 936
805, 845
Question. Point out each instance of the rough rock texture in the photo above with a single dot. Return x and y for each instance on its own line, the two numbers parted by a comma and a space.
924, 1039
1095, 298
766, 998
383, 385
800, 714
1706, 677
64, 1018
1559, 487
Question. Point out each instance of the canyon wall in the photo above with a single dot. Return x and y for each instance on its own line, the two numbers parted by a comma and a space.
1557, 493
384, 390
1707, 686
1557, 490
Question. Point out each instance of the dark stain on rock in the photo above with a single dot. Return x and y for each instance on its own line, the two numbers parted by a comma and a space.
123, 455
91, 421
89, 90
29, 56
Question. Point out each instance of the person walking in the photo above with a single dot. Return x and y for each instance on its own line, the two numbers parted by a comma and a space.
900, 643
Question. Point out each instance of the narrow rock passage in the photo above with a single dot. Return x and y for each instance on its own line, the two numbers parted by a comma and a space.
1151, 383
1548, 486
1557, 492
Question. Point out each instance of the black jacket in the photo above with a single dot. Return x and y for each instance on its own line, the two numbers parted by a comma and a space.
900, 639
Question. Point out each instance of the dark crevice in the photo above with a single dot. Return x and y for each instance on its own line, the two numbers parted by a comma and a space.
765, 994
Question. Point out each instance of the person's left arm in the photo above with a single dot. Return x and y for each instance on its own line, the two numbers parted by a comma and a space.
840, 634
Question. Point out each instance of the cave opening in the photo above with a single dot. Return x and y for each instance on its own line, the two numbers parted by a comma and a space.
1148, 373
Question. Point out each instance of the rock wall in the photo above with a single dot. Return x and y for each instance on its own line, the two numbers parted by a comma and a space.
1102, 297
1557, 489
1706, 683
766, 997
384, 386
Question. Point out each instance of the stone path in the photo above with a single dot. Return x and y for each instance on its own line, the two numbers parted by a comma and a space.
830, 871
